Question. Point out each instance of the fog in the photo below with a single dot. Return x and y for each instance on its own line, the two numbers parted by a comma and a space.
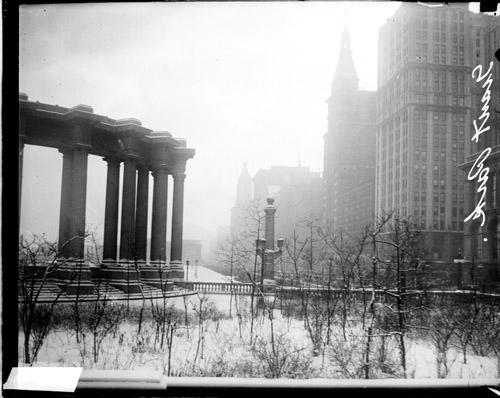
241, 82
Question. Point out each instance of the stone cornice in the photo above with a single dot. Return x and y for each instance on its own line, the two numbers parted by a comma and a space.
177, 159
492, 161
48, 125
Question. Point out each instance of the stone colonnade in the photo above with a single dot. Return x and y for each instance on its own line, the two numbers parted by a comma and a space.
77, 132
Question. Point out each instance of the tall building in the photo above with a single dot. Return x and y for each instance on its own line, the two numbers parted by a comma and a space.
239, 211
425, 61
298, 195
349, 156
482, 243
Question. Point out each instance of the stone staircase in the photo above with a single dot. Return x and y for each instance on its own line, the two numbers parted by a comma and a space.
50, 291
46, 291
150, 291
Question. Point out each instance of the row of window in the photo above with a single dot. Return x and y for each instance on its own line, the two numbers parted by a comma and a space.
441, 12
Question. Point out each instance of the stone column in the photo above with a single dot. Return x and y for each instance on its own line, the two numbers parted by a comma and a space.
111, 210
141, 214
177, 218
127, 235
176, 268
78, 199
65, 206
268, 271
159, 219
270, 210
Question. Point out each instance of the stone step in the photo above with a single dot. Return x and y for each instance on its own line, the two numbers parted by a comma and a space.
47, 287
50, 290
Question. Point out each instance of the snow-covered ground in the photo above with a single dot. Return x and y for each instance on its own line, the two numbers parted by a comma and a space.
199, 273
221, 346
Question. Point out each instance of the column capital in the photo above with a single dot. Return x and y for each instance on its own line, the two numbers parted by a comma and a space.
65, 150
131, 156
178, 174
74, 147
159, 170
112, 161
143, 165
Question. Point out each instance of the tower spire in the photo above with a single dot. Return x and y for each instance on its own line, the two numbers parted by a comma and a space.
345, 76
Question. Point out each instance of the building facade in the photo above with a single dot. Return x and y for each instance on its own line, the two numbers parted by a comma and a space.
482, 242
424, 117
349, 156
298, 194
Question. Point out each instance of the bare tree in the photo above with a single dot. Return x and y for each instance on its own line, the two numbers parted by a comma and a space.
39, 260
401, 244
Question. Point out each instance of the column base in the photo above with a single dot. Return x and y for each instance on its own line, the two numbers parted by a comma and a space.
269, 286
121, 276
108, 262
73, 276
156, 274
176, 273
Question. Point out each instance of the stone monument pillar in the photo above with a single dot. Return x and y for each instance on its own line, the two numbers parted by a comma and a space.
267, 251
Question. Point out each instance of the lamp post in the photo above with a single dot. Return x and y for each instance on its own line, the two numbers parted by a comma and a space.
266, 250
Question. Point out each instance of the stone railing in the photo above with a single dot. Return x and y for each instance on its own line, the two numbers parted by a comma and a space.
218, 287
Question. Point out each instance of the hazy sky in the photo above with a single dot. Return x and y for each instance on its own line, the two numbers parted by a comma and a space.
240, 81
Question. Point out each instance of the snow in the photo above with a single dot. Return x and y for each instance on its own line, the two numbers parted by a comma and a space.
199, 273
219, 346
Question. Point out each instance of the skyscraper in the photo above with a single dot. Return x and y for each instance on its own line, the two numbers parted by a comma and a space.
424, 120
482, 243
349, 156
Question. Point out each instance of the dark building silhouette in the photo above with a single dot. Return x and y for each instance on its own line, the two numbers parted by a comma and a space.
349, 155
298, 195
